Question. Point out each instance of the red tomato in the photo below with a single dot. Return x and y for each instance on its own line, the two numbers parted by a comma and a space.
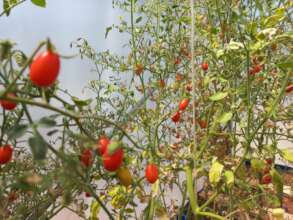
5, 153
183, 104
114, 161
8, 105
103, 144
266, 179
205, 66
86, 158
289, 88
44, 69
202, 123
87, 194
151, 173
269, 161
256, 69
176, 117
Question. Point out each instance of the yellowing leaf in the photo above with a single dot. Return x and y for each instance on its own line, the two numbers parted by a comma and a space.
95, 209
229, 178
215, 173
275, 18
225, 117
287, 155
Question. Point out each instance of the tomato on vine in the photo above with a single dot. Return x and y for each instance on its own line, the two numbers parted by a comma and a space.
86, 158
113, 161
256, 69
183, 104
176, 117
6, 152
103, 144
124, 176
152, 173
289, 88
266, 179
205, 66
44, 70
202, 123
8, 105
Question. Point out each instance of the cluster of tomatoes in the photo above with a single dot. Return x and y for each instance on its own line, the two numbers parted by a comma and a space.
44, 71
112, 161
267, 177
184, 102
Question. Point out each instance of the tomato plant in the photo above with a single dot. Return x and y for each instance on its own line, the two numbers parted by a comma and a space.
230, 59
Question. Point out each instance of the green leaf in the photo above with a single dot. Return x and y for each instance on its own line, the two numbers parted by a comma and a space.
225, 117
113, 147
41, 3
108, 29
95, 209
46, 122
138, 19
38, 146
257, 165
218, 96
215, 173
287, 155
81, 103
17, 131
278, 183
275, 18
235, 45
286, 65
229, 178
6, 7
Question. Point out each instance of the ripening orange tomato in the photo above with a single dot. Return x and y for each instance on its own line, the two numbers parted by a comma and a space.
124, 176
